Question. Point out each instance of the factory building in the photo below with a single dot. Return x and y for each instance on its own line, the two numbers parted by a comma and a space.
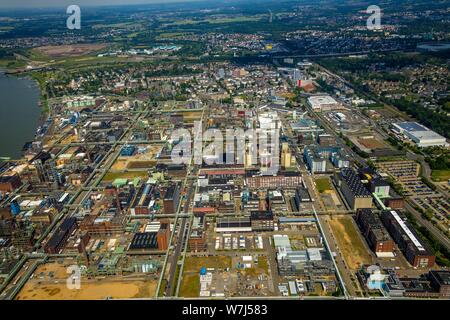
9, 183
326, 140
415, 251
301, 196
229, 224
172, 199
355, 193
419, 134
102, 225
163, 236
262, 220
197, 239
144, 240
144, 200
58, 240
285, 180
291, 262
374, 232
156, 236
322, 103
440, 281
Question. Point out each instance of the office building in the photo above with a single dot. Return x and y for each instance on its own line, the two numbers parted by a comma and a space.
315, 160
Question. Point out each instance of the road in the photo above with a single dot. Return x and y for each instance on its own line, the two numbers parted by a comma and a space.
181, 238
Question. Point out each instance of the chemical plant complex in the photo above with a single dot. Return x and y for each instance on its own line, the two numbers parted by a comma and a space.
218, 166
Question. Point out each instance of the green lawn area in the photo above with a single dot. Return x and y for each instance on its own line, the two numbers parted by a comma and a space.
440, 175
194, 264
323, 184
350, 242
111, 176
190, 285
263, 264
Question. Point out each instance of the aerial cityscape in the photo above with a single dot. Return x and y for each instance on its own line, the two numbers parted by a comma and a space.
240, 149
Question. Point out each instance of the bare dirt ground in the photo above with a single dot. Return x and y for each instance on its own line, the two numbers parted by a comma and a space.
70, 50
92, 290
44, 287
371, 143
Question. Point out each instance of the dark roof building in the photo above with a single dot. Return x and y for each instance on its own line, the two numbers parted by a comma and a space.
144, 240
408, 241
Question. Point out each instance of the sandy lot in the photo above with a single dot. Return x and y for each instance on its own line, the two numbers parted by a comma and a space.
92, 290
44, 287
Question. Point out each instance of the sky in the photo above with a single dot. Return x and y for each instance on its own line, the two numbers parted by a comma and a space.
59, 3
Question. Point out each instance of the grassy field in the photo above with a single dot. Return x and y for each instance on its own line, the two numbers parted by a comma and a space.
323, 184
350, 242
263, 263
111, 176
194, 264
190, 285
440, 175
216, 20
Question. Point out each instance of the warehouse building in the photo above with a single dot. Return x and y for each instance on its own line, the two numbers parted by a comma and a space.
415, 251
419, 134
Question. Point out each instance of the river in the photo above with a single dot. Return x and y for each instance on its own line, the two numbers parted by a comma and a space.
19, 114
